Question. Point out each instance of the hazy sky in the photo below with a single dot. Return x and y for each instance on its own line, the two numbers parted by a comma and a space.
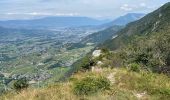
15, 9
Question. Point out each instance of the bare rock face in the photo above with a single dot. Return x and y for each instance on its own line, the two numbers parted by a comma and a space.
99, 63
96, 53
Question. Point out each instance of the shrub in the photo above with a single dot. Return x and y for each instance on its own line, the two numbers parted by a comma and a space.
86, 63
168, 59
134, 67
20, 84
91, 85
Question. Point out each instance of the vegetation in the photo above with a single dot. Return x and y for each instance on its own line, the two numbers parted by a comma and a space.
132, 67
150, 53
144, 86
145, 42
101, 36
91, 85
20, 84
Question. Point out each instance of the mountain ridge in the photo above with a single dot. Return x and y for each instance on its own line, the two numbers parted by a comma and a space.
125, 19
111, 28
52, 22
153, 22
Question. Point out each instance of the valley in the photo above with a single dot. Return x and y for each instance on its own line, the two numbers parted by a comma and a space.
58, 57
39, 55
44, 50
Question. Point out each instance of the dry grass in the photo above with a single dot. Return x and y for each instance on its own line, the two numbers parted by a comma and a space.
127, 86
56, 92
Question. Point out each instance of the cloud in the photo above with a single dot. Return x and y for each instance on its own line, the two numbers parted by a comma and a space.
43, 14
137, 7
89, 8
126, 7
142, 4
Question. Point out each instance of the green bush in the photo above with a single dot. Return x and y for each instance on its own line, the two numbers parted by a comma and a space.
134, 67
86, 63
20, 84
91, 85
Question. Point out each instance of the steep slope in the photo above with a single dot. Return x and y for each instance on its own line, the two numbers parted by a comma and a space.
155, 22
148, 86
101, 36
111, 28
145, 43
94, 81
52, 22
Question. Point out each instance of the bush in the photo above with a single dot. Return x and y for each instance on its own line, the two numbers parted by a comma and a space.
86, 63
20, 84
134, 67
168, 59
91, 85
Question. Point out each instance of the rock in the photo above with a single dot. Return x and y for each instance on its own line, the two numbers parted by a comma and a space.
140, 95
111, 77
96, 69
40, 64
96, 53
99, 63
32, 82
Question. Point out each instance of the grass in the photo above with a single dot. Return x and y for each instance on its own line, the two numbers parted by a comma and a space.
127, 86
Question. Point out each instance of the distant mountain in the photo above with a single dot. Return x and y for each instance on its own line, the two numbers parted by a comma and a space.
101, 36
111, 28
155, 22
52, 22
123, 20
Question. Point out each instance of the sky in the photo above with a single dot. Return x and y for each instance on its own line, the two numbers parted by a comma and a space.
101, 9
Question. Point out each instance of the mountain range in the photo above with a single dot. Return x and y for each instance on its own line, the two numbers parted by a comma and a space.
67, 21
131, 61
125, 19
52, 22
111, 28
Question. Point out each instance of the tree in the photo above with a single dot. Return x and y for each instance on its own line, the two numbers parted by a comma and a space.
20, 84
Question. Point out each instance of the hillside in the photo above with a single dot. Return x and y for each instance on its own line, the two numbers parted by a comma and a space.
145, 42
133, 65
101, 36
145, 86
157, 21
113, 27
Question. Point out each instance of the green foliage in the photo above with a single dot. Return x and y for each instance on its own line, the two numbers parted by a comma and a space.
147, 25
156, 85
151, 52
168, 60
146, 41
20, 84
84, 63
87, 63
112, 60
105, 50
91, 85
134, 67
